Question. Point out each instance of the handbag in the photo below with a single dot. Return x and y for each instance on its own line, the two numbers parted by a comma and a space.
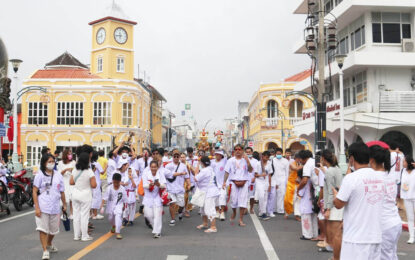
198, 198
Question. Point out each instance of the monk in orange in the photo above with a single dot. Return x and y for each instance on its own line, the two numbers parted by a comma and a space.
292, 186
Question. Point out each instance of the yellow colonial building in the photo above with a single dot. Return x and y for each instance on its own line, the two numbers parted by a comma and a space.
272, 113
99, 105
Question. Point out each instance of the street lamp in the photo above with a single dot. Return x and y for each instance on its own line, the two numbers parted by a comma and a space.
15, 157
342, 156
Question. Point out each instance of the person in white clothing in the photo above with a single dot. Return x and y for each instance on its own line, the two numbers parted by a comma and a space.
254, 162
65, 167
130, 183
176, 176
391, 222
111, 168
115, 197
48, 189
279, 176
142, 164
97, 192
309, 225
218, 166
206, 182
153, 181
361, 194
238, 169
83, 181
263, 184
408, 195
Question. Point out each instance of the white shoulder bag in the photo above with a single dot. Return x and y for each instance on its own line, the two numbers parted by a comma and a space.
199, 197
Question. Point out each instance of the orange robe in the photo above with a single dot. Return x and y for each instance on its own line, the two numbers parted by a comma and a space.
289, 192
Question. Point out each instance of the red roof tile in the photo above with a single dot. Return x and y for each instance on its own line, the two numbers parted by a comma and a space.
64, 74
112, 18
299, 77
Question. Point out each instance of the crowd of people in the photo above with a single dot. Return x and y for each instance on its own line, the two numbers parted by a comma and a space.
351, 216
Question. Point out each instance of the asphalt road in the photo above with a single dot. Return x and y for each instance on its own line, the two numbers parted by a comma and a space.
19, 240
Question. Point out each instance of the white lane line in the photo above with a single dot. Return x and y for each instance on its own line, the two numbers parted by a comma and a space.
177, 257
18, 216
266, 243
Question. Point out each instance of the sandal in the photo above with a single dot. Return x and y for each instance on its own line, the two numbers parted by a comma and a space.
200, 227
211, 230
241, 224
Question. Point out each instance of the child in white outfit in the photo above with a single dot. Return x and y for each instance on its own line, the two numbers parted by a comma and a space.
115, 196
130, 183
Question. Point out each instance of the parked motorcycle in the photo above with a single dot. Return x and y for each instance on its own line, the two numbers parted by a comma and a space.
21, 188
4, 198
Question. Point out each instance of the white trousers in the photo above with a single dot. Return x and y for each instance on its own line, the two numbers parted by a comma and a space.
410, 211
129, 212
309, 226
239, 196
261, 194
297, 206
80, 218
279, 199
389, 245
353, 251
154, 215
115, 220
221, 200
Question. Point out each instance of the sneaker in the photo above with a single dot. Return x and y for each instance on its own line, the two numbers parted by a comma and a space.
172, 223
52, 249
119, 236
180, 216
272, 215
222, 216
98, 217
45, 255
411, 241
124, 222
217, 214
87, 239
157, 235
76, 238
264, 217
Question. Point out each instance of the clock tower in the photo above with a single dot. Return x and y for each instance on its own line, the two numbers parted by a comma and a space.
112, 55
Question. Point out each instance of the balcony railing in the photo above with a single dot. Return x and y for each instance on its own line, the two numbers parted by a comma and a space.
270, 123
397, 101
294, 120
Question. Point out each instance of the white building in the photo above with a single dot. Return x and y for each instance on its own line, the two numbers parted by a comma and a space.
379, 73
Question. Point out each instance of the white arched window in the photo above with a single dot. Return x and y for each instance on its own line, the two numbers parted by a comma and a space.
272, 108
296, 108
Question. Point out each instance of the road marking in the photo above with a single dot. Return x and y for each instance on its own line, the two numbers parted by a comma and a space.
266, 243
89, 248
18, 216
177, 257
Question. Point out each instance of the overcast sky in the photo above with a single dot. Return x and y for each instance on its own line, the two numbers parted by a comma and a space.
211, 54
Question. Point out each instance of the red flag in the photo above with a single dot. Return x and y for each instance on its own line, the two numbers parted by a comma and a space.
10, 130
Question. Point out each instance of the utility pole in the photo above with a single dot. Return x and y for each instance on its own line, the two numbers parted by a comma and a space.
321, 57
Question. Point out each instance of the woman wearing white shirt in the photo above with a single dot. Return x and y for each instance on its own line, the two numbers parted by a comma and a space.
83, 181
48, 189
408, 194
153, 181
391, 222
206, 182
65, 167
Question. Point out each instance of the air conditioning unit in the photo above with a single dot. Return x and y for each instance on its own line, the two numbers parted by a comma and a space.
408, 45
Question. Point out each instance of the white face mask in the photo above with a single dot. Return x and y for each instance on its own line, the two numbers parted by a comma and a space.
124, 155
50, 166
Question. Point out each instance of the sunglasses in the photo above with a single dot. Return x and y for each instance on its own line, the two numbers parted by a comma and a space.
176, 156
238, 149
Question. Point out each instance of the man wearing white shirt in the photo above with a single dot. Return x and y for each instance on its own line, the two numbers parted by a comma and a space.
361, 194
254, 162
279, 175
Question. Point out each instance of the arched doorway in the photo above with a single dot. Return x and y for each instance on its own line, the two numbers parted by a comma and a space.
401, 139
296, 146
272, 145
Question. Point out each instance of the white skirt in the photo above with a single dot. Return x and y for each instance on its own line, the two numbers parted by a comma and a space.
209, 209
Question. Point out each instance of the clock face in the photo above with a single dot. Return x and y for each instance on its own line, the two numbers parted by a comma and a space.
120, 35
101, 36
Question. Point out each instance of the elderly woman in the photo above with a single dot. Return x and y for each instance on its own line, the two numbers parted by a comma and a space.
65, 167
206, 182
48, 189
83, 181
153, 181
